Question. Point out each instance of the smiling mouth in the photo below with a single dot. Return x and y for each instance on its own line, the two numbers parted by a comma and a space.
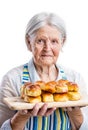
46, 56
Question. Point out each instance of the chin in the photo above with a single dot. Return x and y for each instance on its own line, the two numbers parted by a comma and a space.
47, 63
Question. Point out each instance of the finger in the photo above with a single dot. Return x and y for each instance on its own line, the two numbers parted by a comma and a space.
35, 110
69, 108
43, 110
50, 111
76, 108
64, 109
23, 112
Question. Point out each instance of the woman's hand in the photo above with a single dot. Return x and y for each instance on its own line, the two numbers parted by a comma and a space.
75, 116
22, 116
37, 111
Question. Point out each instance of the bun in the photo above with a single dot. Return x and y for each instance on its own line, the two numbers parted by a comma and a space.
49, 87
61, 86
30, 99
47, 97
73, 96
61, 89
33, 90
62, 81
61, 97
23, 90
72, 87
41, 84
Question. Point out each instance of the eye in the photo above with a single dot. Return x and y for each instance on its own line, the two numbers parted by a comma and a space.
41, 41
55, 41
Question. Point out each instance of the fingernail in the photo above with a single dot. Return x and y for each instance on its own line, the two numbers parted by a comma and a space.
25, 111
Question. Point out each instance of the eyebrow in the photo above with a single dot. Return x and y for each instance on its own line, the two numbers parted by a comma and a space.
45, 37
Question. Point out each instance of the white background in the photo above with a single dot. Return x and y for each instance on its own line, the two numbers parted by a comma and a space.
15, 14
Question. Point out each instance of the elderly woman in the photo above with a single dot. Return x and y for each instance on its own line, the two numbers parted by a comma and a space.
45, 37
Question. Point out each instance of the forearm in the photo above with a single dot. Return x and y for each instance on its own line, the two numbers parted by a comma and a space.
19, 121
76, 118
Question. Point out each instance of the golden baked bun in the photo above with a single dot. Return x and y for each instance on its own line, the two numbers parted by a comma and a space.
61, 86
33, 90
63, 97
47, 97
23, 90
41, 84
30, 99
62, 81
61, 89
72, 87
49, 87
73, 96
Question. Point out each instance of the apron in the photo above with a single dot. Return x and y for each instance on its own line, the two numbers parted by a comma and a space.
57, 121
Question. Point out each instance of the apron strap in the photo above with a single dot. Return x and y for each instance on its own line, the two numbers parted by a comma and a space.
63, 75
25, 76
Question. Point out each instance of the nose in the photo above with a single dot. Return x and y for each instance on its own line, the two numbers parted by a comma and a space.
47, 45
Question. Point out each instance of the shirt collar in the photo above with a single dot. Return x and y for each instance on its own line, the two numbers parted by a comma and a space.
34, 75
32, 71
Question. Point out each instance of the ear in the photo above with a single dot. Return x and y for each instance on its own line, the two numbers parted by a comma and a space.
62, 43
63, 40
27, 39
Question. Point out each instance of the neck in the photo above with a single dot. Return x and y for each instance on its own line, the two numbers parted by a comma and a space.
47, 73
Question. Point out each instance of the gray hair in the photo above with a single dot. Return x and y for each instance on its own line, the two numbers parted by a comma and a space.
41, 19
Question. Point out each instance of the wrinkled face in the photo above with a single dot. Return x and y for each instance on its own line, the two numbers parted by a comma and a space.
46, 45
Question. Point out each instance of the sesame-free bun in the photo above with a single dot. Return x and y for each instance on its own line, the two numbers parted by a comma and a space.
47, 97
30, 99
61, 86
33, 90
60, 97
62, 81
49, 87
41, 84
73, 96
72, 87
23, 90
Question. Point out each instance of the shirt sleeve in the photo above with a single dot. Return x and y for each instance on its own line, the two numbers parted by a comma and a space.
6, 125
83, 90
81, 82
77, 77
84, 125
7, 89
